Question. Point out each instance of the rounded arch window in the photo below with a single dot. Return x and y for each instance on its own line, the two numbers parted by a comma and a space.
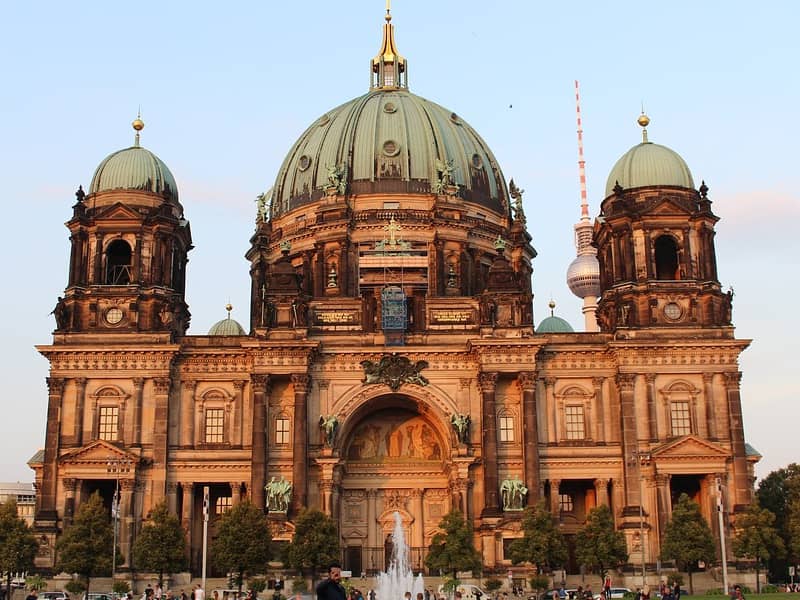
119, 260
666, 254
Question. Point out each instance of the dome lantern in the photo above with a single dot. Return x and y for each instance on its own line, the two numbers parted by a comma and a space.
388, 68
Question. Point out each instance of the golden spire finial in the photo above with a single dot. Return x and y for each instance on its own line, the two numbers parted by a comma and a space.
552, 305
388, 16
643, 122
137, 125
229, 308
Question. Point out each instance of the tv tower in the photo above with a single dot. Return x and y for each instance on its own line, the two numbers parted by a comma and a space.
583, 274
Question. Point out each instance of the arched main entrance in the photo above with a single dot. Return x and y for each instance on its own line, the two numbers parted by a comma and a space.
395, 458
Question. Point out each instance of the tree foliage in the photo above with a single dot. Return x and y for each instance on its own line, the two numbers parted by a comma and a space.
687, 537
86, 546
18, 545
779, 492
598, 545
542, 544
315, 543
160, 547
452, 549
757, 538
243, 542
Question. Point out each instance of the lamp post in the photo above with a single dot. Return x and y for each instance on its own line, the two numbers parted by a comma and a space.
116, 466
641, 459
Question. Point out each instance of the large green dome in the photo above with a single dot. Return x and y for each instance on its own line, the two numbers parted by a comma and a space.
134, 168
649, 164
388, 141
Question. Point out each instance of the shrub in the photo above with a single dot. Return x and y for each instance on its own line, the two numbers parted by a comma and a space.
493, 584
769, 589
75, 586
257, 584
299, 585
539, 582
120, 587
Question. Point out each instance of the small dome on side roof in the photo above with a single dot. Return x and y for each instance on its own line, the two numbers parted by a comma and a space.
227, 326
553, 324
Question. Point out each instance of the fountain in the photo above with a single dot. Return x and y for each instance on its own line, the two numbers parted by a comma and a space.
398, 578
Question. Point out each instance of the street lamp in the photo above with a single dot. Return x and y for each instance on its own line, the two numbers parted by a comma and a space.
641, 459
116, 466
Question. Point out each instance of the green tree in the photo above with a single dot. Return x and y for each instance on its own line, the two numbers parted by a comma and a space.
598, 545
86, 546
452, 549
778, 492
757, 538
687, 537
542, 544
18, 545
315, 543
243, 541
161, 545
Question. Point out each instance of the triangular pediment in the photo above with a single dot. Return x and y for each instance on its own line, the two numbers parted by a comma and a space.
690, 447
95, 453
664, 207
118, 211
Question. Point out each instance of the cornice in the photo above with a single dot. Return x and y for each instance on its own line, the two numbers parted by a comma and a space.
108, 359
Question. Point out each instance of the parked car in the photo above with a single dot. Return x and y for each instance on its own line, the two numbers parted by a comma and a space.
99, 596
53, 596
617, 593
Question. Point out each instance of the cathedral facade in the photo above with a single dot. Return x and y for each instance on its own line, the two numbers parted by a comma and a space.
391, 362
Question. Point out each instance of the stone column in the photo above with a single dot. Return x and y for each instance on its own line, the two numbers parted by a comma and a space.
187, 413
258, 460
601, 491
300, 382
555, 505
664, 500
371, 522
418, 531
236, 492
617, 494
652, 416
136, 416
69, 484
491, 506
137, 274
550, 407
97, 276
741, 482
600, 412
625, 382
711, 415
161, 387
238, 418
326, 496
172, 497
80, 401
126, 519
46, 500
530, 434
187, 518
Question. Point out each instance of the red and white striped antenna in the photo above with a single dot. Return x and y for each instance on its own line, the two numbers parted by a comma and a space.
581, 161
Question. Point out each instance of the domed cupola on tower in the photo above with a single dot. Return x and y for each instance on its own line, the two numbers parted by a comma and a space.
130, 242
388, 188
655, 242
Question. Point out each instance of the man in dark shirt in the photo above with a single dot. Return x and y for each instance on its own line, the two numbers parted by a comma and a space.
331, 588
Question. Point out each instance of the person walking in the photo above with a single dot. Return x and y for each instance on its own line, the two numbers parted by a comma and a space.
331, 588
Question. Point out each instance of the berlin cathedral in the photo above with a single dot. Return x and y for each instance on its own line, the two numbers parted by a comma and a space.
391, 362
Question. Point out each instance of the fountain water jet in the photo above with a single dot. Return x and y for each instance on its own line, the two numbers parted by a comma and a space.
398, 578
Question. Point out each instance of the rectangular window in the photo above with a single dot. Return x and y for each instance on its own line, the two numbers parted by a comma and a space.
282, 430
506, 429
109, 423
223, 504
215, 422
680, 418
565, 503
574, 426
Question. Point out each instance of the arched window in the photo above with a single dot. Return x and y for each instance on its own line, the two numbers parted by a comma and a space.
666, 258
118, 263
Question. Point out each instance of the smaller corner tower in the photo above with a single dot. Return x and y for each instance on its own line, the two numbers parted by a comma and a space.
655, 243
129, 247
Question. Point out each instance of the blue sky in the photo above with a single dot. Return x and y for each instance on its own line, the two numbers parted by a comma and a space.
226, 90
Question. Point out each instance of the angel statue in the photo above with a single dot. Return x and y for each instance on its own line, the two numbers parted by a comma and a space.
329, 426
264, 202
513, 493
337, 178
444, 169
516, 194
279, 492
461, 425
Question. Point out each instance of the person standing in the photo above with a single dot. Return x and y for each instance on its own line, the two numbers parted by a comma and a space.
199, 593
607, 587
331, 588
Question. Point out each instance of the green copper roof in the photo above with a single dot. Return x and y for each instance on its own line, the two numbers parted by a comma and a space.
134, 168
553, 324
389, 141
227, 326
649, 164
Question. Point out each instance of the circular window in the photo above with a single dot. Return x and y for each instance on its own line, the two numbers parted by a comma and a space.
672, 311
114, 315
389, 107
454, 118
476, 161
391, 148
304, 162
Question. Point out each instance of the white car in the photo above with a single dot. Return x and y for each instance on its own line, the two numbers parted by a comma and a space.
617, 593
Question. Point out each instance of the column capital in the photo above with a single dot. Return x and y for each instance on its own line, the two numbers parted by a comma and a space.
550, 381
55, 385
300, 382
70, 484
487, 381
527, 381
127, 485
80, 382
597, 382
417, 492
161, 385
732, 380
625, 381
600, 482
260, 382
239, 384
650, 377
708, 377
